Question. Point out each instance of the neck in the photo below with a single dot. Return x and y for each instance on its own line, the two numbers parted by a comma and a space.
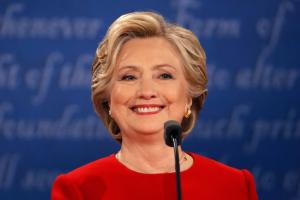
150, 157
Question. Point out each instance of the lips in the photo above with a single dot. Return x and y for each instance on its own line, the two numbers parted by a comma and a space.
147, 109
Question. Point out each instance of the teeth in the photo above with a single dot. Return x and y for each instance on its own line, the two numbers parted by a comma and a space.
146, 109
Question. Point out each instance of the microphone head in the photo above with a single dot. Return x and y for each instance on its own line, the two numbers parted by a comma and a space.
172, 130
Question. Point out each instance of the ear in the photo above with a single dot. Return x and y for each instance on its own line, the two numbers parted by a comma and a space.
108, 104
189, 101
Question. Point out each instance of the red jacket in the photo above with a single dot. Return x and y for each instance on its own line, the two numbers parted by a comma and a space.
108, 179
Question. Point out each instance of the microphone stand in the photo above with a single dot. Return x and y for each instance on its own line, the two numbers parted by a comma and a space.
172, 138
177, 168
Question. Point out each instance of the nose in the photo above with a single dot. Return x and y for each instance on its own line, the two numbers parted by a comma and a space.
147, 89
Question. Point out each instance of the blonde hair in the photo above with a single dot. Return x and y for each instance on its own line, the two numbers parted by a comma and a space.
145, 25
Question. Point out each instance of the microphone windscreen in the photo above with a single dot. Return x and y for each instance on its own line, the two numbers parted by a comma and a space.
172, 130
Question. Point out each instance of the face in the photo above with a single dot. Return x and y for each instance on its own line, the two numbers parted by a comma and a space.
148, 87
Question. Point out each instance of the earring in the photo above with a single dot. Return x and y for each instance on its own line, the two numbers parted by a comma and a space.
188, 113
109, 112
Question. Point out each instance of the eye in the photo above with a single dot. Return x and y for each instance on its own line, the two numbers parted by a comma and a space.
166, 76
128, 78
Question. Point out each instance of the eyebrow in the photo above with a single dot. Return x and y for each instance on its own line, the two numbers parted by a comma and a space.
128, 67
164, 65
134, 67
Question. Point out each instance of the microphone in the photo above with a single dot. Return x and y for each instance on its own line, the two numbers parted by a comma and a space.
172, 136
172, 130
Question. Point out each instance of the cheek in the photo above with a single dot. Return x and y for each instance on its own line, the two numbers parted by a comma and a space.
178, 94
120, 95
177, 100
118, 99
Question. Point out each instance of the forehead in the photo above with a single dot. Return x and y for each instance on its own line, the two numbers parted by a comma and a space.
148, 51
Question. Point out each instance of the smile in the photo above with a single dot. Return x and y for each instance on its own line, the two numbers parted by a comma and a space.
147, 109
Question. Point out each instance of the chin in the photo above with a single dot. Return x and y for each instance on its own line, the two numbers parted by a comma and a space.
149, 128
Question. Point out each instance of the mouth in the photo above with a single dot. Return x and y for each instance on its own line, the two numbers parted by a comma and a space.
147, 109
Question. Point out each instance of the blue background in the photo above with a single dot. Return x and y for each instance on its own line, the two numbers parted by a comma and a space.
250, 119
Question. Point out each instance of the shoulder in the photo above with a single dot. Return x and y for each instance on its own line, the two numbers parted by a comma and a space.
214, 166
206, 163
229, 178
83, 180
97, 168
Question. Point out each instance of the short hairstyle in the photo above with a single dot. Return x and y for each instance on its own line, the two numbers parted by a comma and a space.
146, 25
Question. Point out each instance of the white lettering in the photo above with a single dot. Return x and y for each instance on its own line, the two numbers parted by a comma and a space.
46, 28
218, 78
38, 179
68, 126
211, 27
46, 76
265, 179
8, 72
8, 165
224, 128
273, 130
267, 77
77, 76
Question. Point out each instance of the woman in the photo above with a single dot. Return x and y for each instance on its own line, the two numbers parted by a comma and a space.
146, 72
